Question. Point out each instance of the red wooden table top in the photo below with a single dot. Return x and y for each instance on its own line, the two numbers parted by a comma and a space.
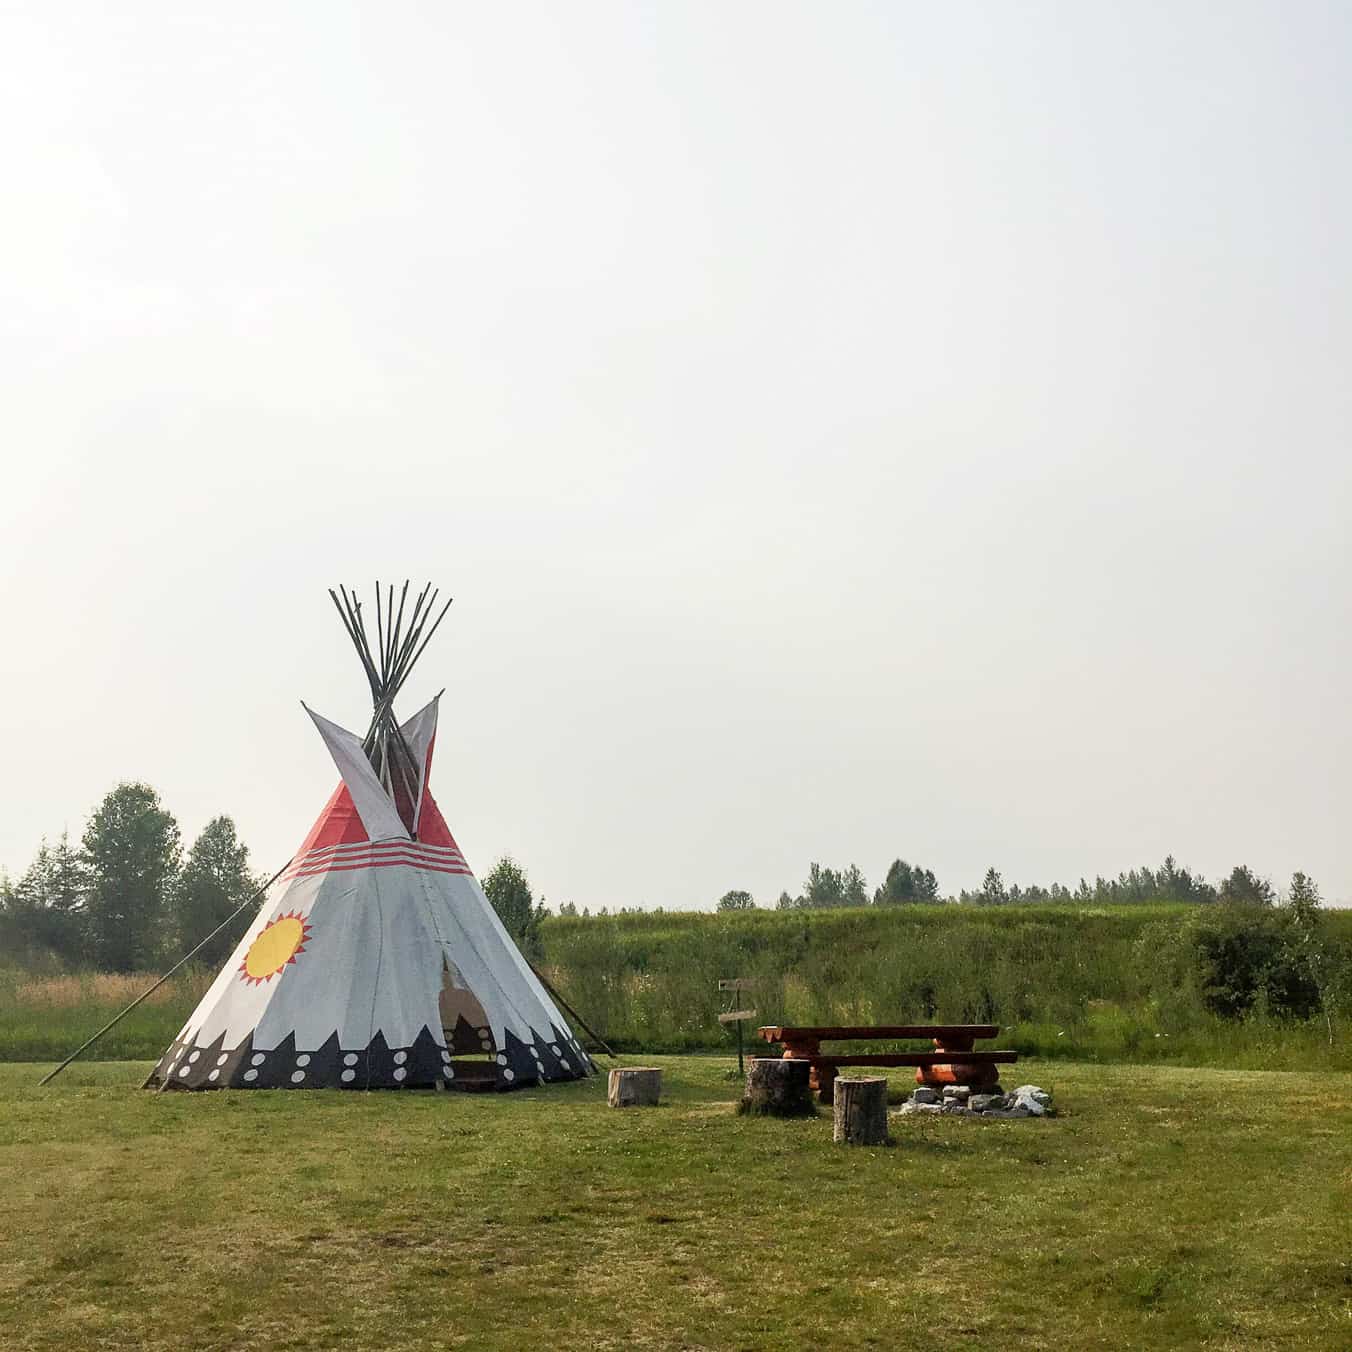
776, 1033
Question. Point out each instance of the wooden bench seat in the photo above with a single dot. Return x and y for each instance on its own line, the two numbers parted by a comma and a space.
912, 1058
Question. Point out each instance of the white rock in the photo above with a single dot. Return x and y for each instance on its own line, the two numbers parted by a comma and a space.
1036, 1100
925, 1094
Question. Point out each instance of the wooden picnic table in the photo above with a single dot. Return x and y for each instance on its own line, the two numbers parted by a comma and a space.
953, 1060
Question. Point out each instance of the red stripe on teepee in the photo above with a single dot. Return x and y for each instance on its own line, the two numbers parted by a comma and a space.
338, 824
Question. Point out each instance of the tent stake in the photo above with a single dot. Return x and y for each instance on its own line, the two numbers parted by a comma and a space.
51, 1075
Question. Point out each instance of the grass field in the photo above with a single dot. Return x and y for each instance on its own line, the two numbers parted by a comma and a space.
1163, 1208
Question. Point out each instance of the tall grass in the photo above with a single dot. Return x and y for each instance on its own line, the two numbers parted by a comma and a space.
43, 1018
1061, 981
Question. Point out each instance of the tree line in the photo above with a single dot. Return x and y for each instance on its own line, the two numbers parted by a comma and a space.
907, 884
127, 897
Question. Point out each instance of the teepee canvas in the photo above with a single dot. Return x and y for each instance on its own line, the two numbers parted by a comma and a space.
375, 960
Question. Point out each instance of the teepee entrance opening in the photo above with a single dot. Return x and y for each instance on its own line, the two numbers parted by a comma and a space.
468, 1032
463, 1019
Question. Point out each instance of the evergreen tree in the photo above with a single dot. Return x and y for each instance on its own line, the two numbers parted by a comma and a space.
131, 851
46, 905
1244, 888
905, 884
214, 882
853, 888
992, 889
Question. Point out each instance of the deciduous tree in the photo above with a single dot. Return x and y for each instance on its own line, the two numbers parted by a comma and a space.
736, 901
131, 851
508, 889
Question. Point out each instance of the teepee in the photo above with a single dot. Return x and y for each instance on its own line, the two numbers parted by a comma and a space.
375, 960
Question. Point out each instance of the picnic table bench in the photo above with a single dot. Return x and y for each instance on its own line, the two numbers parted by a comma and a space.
951, 1062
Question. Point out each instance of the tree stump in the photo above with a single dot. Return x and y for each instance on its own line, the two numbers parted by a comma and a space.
634, 1087
861, 1111
778, 1088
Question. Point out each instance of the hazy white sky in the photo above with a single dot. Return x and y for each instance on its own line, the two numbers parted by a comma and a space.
848, 430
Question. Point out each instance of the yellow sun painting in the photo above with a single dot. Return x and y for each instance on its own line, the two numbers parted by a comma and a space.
279, 944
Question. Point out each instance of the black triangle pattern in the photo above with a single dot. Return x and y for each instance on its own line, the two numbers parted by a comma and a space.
423, 1065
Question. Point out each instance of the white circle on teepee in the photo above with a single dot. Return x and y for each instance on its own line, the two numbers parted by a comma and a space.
446, 1055
554, 1047
400, 1058
297, 1076
215, 1075
400, 1072
509, 1075
182, 1073
448, 1072
194, 1054
564, 1064
257, 1059
502, 1060
303, 1059
222, 1058
350, 1059
250, 1074
348, 1076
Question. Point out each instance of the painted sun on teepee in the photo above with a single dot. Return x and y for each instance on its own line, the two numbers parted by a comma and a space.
375, 960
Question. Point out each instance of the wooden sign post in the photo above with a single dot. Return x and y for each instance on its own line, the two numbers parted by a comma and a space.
734, 987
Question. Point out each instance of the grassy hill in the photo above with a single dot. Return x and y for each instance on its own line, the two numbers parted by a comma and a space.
1062, 981
1065, 982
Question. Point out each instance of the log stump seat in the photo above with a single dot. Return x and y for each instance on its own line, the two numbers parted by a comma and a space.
777, 1087
953, 1061
861, 1112
634, 1087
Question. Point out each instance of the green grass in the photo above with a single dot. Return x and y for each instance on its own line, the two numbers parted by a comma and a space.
1164, 1208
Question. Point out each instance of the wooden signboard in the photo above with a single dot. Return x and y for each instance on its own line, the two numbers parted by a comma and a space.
735, 986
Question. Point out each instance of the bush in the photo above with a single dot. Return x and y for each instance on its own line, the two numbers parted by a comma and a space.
1239, 959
